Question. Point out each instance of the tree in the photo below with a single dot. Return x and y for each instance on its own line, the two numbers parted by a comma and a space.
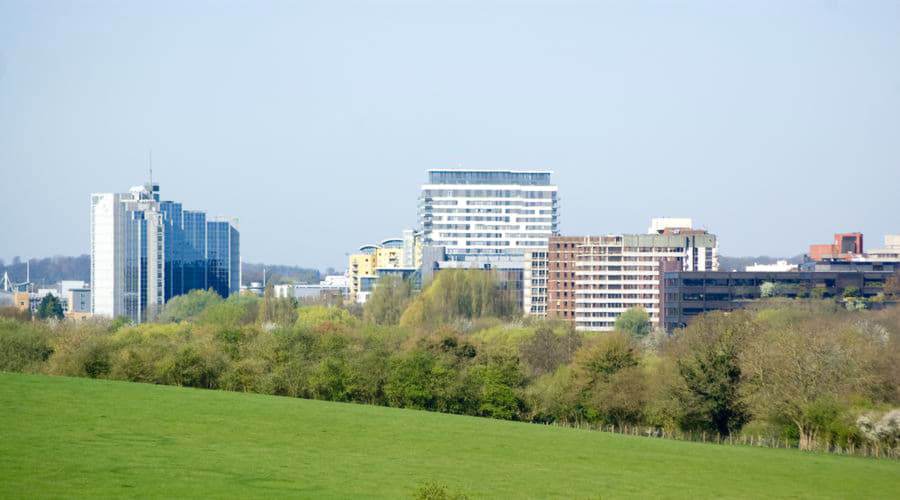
892, 285
797, 371
634, 321
602, 368
708, 365
388, 301
458, 294
500, 387
188, 306
50, 307
547, 349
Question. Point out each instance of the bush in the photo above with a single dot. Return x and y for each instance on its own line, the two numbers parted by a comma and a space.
433, 490
457, 294
189, 306
635, 322
23, 346
193, 366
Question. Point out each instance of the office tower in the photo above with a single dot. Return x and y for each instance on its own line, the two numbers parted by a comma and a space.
488, 212
223, 257
145, 251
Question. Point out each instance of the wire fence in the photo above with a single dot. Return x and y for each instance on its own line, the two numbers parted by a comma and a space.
874, 450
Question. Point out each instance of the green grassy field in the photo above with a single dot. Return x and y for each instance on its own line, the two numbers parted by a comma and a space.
80, 437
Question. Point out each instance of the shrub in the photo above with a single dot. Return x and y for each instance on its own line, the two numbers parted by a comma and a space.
635, 322
188, 306
193, 366
433, 490
23, 345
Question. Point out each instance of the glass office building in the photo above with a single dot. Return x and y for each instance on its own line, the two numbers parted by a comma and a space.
145, 251
223, 257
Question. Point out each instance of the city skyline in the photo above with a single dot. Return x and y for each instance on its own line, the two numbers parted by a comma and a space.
771, 125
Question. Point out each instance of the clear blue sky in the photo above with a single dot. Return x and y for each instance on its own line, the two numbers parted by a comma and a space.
773, 124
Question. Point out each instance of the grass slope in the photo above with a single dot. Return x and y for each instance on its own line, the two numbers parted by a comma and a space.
80, 437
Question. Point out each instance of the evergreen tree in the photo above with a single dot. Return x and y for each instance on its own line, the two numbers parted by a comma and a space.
50, 307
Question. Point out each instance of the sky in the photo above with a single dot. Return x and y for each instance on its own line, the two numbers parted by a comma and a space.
771, 124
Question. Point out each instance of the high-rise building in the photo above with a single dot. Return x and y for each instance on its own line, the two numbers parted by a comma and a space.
145, 251
488, 212
592, 280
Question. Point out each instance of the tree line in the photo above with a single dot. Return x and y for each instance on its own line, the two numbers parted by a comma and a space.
806, 371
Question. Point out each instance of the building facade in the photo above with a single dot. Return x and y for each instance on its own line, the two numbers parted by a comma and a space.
78, 303
486, 212
689, 294
592, 280
534, 282
144, 252
372, 261
845, 247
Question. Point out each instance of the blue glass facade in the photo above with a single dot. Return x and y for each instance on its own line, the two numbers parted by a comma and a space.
223, 257
151, 251
194, 250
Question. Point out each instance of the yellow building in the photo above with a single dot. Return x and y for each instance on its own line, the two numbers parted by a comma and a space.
370, 258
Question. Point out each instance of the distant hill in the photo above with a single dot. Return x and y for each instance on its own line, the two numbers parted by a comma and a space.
51, 270
739, 263
278, 274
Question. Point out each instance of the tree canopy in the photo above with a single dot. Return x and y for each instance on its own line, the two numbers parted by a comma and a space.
634, 321
50, 307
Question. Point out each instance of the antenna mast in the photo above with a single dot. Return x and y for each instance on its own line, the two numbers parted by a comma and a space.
151, 167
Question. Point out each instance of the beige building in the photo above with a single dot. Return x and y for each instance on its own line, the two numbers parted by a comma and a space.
395, 253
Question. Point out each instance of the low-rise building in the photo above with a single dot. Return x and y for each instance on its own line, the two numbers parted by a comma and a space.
780, 266
687, 294
335, 285
78, 303
394, 253
845, 247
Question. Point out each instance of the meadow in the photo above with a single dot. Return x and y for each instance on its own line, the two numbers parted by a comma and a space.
78, 437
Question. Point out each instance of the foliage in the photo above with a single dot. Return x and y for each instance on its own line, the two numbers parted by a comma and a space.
324, 318
235, 310
600, 369
456, 294
433, 490
551, 345
388, 301
50, 307
23, 345
807, 369
278, 274
768, 290
795, 370
882, 429
188, 306
49, 269
707, 357
13, 312
892, 285
634, 321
